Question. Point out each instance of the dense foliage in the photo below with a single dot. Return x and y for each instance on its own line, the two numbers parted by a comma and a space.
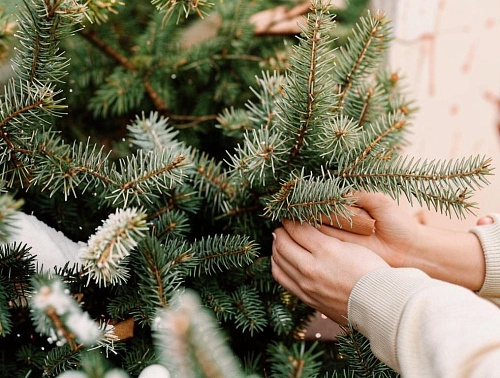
172, 138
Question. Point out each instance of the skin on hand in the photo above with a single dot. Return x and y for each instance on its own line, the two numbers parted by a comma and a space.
319, 269
484, 221
402, 241
395, 230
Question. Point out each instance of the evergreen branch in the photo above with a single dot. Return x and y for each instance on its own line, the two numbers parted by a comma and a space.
60, 359
170, 224
223, 252
57, 315
307, 199
98, 10
5, 316
395, 124
92, 37
145, 175
445, 185
363, 52
17, 266
64, 168
338, 139
270, 88
367, 101
104, 256
305, 103
161, 270
8, 207
294, 362
234, 121
281, 319
250, 310
43, 25
152, 133
183, 7
189, 342
361, 361
123, 61
217, 299
212, 182
262, 152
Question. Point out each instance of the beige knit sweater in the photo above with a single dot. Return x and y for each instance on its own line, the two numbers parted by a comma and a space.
422, 327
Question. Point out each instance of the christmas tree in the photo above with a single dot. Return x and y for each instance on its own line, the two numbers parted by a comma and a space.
165, 162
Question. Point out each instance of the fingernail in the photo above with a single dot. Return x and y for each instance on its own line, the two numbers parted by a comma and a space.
274, 236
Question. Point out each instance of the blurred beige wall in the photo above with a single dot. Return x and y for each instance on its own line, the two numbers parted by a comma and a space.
449, 53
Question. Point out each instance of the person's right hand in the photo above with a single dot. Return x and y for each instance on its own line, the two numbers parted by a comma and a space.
402, 241
395, 230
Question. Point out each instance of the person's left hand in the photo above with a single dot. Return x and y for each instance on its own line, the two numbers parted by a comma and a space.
318, 268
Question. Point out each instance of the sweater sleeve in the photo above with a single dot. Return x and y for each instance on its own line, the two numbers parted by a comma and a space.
422, 327
489, 237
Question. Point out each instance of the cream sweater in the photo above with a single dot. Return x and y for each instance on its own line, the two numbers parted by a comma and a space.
422, 327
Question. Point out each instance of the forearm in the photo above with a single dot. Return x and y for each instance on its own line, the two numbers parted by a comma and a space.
425, 327
450, 256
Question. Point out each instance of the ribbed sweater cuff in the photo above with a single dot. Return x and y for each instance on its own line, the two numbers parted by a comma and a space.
376, 303
489, 237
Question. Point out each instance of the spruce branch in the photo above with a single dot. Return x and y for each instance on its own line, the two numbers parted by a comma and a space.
8, 208
5, 316
189, 342
105, 256
182, 7
269, 89
17, 265
161, 270
42, 26
445, 185
378, 138
57, 315
144, 176
152, 133
306, 100
361, 361
262, 152
295, 361
220, 253
212, 182
362, 53
306, 198
92, 37
218, 300
251, 312
98, 10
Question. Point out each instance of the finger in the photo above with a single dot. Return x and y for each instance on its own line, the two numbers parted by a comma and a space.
373, 202
285, 272
309, 237
360, 222
289, 255
344, 235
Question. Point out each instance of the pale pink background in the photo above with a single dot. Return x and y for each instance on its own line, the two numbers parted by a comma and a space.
449, 52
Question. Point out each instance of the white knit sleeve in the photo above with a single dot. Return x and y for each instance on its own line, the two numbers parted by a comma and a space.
489, 237
422, 327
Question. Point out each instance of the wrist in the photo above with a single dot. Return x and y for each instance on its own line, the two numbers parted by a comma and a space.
451, 256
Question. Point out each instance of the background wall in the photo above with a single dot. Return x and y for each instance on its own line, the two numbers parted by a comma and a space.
449, 53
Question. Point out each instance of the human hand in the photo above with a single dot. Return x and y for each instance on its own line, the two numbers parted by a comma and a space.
319, 269
402, 241
395, 230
